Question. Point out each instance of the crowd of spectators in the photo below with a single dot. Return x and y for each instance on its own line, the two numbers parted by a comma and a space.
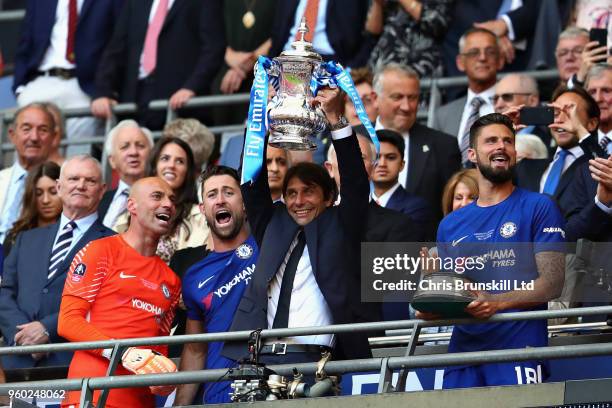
95, 54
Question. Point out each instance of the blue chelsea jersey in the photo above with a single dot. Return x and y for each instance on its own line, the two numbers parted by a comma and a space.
506, 236
212, 290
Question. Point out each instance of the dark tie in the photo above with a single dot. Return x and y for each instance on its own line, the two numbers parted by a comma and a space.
72, 24
464, 143
604, 144
281, 319
60, 249
552, 181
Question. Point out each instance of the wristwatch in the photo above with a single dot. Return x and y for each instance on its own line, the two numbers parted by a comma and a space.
342, 123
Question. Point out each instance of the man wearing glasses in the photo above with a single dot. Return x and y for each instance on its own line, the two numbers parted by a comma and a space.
521, 89
479, 57
569, 54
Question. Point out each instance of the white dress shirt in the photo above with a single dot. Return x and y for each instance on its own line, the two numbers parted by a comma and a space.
117, 205
55, 57
16, 184
141, 72
403, 175
320, 42
383, 200
82, 225
486, 108
574, 153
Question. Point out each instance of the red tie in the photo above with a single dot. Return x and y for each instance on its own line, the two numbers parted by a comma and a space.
312, 9
72, 24
149, 54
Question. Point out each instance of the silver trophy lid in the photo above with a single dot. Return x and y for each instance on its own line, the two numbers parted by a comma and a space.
301, 48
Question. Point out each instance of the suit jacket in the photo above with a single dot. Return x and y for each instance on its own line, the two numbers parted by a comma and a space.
416, 208
190, 50
448, 117
26, 295
433, 158
344, 23
529, 174
94, 27
333, 242
105, 203
591, 147
387, 225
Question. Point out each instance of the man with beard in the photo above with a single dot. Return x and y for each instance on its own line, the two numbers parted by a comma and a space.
504, 217
213, 287
117, 288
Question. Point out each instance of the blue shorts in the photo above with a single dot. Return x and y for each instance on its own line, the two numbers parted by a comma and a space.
526, 372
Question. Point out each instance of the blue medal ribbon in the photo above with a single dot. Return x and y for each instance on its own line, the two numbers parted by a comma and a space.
254, 142
339, 76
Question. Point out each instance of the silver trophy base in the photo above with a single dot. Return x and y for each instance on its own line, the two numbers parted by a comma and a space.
291, 140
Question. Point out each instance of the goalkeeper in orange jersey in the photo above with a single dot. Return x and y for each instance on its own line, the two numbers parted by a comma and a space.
118, 288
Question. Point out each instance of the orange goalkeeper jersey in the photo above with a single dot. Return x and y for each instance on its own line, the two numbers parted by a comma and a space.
129, 295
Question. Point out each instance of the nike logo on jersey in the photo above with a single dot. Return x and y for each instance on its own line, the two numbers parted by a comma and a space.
123, 275
204, 282
457, 241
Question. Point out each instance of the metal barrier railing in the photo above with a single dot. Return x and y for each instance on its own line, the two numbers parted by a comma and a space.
386, 365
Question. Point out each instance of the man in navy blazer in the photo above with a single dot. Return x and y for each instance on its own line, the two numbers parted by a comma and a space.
343, 28
43, 69
328, 268
32, 285
188, 54
389, 193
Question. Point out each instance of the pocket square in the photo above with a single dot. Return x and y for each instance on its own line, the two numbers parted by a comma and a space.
425, 148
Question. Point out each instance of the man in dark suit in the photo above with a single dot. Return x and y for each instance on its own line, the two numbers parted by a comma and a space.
597, 85
32, 286
514, 27
171, 51
336, 35
311, 242
577, 115
127, 146
389, 193
57, 57
514, 90
431, 156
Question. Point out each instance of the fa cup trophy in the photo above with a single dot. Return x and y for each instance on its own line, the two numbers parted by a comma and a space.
292, 118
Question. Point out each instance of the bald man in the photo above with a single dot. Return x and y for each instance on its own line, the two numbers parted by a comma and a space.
118, 288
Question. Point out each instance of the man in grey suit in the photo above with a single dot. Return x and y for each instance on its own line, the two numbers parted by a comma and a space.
34, 271
479, 57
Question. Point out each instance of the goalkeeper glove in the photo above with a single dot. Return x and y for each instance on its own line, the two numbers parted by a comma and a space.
146, 361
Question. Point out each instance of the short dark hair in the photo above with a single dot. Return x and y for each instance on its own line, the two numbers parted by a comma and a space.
218, 171
312, 174
592, 110
487, 120
392, 137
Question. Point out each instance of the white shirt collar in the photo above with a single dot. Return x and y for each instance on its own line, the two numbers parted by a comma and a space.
18, 171
121, 187
384, 198
575, 151
601, 135
487, 95
82, 224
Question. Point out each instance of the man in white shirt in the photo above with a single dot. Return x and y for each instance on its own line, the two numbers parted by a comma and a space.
599, 85
32, 132
59, 49
128, 146
479, 57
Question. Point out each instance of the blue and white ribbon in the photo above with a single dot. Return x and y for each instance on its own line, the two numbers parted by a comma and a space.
254, 142
339, 76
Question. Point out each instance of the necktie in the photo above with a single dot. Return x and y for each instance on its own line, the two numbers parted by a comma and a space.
61, 247
605, 144
149, 55
281, 319
464, 143
72, 23
552, 181
311, 13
